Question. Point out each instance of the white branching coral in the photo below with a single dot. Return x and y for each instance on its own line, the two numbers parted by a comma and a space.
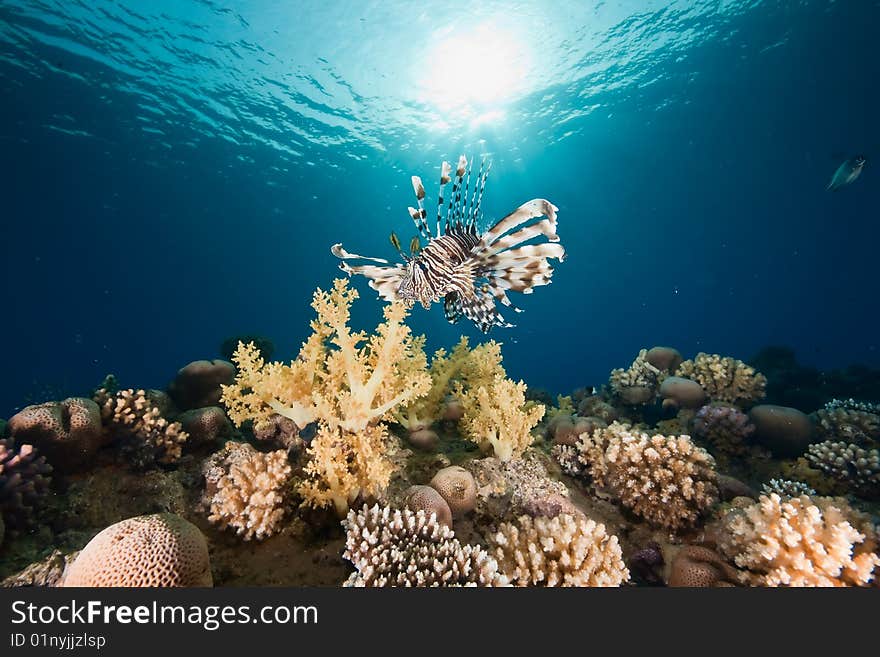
638, 383
860, 468
725, 379
497, 415
801, 541
349, 383
565, 550
667, 480
405, 548
248, 491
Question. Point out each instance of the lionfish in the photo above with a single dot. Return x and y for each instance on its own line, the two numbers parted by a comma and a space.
469, 270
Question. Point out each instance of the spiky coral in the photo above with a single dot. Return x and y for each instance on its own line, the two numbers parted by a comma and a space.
801, 541
667, 480
24, 480
565, 550
349, 382
496, 415
725, 379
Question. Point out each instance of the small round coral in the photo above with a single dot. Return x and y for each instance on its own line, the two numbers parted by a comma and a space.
198, 384
457, 486
206, 426
161, 550
700, 567
427, 499
565, 550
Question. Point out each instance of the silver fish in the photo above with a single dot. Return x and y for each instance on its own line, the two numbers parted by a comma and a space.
847, 172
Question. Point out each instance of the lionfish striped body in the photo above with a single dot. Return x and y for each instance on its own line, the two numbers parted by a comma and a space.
468, 270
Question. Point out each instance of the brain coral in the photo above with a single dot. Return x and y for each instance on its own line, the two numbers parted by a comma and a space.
565, 550
801, 541
67, 433
206, 426
405, 548
246, 489
427, 499
147, 551
667, 480
725, 379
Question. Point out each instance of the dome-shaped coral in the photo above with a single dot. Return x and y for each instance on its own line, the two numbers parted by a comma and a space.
206, 426
67, 433
457, 486
700, 567
146, 551
726, 427
801, 541
427, 499
198, 384
565, 550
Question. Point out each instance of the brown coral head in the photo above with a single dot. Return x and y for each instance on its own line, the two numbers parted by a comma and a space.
453, 411
198, 384
664, 358
683, 393
457, 486
700, 567
635, 395
423, 439
206, 426
427, 499
784, 431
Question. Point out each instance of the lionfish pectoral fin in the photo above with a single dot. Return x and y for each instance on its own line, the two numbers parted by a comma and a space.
481, 310
452, 307
385, 280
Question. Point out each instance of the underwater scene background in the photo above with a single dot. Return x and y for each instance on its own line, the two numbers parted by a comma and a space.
173, 175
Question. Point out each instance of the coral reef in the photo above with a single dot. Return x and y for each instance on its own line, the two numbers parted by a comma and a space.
350, 383
146, 551
206, 426
280, 431
646, 565
851, 422
457, 486
725, 427
696, 566
784, 431
786, 488
146, 434
724, 379
859, 468
801, 541
638, 383
24, 482
247, 490
199, 383
667, 480
564, 550
44, 573
405, 548
427, 499
67, 433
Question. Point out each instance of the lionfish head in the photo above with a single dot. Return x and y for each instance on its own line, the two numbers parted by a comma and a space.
413, 286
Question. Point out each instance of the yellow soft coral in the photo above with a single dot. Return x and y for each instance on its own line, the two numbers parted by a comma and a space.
349, 382
497, 414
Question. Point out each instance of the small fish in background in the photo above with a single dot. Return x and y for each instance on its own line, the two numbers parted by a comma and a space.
847, 172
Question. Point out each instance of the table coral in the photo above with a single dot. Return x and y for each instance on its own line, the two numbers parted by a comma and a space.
667, 480
24, 481
249, 494
348, 382
725, 379
404, 548
565, 550
801, 541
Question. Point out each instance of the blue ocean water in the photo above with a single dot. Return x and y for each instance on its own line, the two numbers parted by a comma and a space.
174, 172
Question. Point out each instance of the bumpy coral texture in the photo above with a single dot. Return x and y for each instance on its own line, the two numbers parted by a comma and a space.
667, 480
725, 379
859, 468
67, 433
160, 550
206, 425
637, 384
249, 496
800, 541
348, 382
786, 488
565, 550
696, 566
852, 425
726, 427
405, 548
496, 415
24, 482
150, 435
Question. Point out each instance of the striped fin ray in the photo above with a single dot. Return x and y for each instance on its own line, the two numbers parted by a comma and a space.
481, 310
463, 215
452, 307
454, 208
385, 280
445, 169
420, 216
479, 188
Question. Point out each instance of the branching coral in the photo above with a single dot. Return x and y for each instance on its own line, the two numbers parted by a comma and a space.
637, 384
565, 550
853, 425
405, 548
726, 427
349, 382
667, 480
786, 488
149, 435
801, 541
859, 468
725, 379
496, 415
249, 494
24, 480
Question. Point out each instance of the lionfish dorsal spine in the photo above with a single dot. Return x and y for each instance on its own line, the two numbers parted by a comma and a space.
420, 216
445, 168
454, 208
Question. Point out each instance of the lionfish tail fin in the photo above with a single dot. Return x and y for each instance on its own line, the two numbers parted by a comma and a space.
385, 280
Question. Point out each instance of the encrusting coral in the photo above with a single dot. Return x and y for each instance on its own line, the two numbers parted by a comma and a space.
160, 550
146, 432
859, 468
667, 480
405, 548
725, 379
247, 489
24, 481
565, 550
801, 541
348, 382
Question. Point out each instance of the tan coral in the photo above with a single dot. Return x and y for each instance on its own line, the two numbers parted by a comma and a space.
667, 480
800, 541
160, 550
725, 379
457, 486
565, 550
638, 384
249, 495
700, 567
497, 415
67, 433
848, 424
